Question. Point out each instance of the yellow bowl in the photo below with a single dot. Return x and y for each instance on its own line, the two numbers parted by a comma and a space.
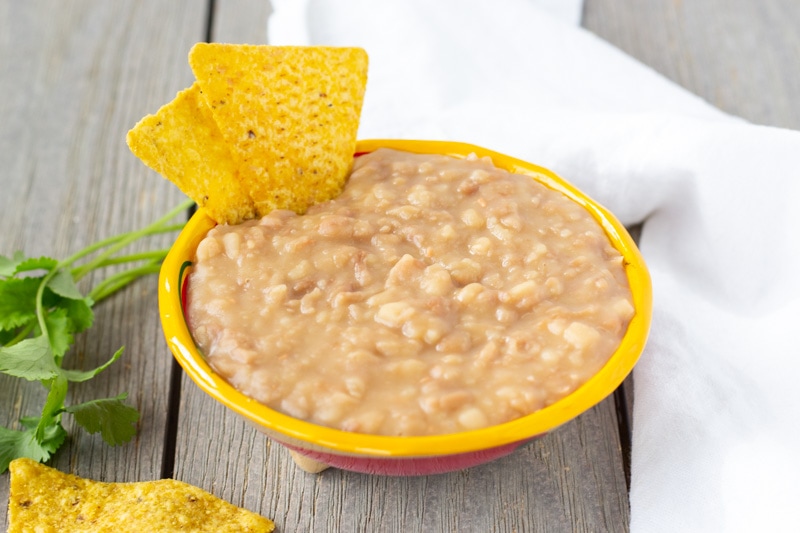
316, 446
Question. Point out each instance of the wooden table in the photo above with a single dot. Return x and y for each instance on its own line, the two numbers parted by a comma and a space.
75, 76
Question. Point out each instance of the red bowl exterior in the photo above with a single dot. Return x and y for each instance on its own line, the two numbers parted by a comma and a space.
409, 466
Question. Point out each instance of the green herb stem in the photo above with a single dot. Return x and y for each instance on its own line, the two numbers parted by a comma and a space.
40, 312
125, 240
172, 227
113, 244
99, 245
115, 282
20, 336
142, 256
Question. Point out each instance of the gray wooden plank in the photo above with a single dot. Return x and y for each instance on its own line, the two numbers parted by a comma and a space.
741, 56
75, 76
570, 480
240, 21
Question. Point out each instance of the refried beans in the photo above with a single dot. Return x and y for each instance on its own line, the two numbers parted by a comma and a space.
434, 295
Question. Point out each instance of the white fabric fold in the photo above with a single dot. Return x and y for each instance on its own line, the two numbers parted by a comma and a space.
715, 430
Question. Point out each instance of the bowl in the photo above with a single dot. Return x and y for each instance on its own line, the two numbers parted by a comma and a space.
316, 447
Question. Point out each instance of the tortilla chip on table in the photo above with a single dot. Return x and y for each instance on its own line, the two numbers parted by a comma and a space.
43, 500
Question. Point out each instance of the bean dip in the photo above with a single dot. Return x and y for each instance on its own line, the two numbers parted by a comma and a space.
435, 295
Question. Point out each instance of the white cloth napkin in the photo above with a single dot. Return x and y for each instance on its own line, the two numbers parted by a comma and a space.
715, 425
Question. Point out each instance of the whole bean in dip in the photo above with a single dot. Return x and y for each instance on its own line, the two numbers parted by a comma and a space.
434, 295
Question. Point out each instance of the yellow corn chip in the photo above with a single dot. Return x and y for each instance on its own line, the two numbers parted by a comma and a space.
44, 499
183, 143
289, 115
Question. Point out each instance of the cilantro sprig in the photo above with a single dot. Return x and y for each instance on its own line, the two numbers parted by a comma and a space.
41, 311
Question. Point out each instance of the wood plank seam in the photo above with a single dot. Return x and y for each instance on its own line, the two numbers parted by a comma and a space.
176, 372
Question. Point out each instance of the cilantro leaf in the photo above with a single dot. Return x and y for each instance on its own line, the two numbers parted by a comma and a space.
15, 444
18, 301
53, 437
8, 265
80, 313
31, 359
31, 264
30, 422
6, 335
85, 375
64, 285
59, 329
39, 317
53, 406
115, 421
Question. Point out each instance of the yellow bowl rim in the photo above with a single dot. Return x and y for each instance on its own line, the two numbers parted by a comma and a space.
586, 396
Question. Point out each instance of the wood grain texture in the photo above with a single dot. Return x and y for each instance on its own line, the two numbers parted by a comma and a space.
739, 55
74, 77
240, 21
569, 480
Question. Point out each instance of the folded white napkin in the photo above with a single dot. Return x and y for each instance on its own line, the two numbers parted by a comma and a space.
715, 425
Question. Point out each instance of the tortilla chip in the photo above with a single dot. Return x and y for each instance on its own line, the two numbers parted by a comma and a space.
183, 143
44, 499
289, 115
